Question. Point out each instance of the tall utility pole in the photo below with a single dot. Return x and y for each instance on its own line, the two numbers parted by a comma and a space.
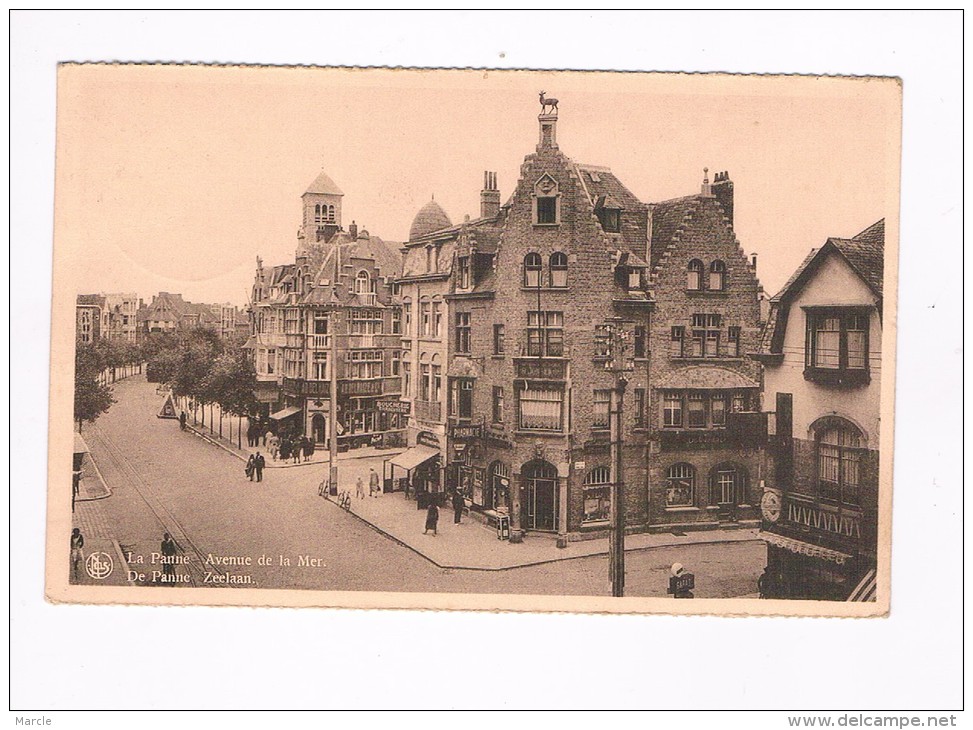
618, 363
333, 380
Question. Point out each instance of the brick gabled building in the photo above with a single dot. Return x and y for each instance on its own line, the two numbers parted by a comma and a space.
704, 466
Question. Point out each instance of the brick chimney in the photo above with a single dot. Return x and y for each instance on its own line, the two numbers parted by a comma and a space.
722, 188
353, 231
489, 196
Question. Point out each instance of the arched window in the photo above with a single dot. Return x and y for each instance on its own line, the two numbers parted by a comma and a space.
717, 276
559, 269
681, 485
317, 213
363, 284
597, 495
839, 454
330, 212
694, 276
727, 485
532, 270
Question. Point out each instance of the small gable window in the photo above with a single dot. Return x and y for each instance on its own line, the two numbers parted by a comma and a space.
611, 219
694, 277
532, 270
546, 202
363, 283
559, 270
717, 276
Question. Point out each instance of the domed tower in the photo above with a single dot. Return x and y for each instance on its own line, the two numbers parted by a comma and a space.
431, 217
322, 210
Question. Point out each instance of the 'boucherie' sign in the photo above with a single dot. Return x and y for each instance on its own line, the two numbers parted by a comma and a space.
394, 406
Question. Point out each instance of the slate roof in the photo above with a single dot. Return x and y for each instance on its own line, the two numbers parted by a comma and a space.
431, 217
668, 217
91, 300
323, 185
865, 254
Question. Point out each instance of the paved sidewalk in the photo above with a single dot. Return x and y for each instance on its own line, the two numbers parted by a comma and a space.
472, 545
320, 455
90, 518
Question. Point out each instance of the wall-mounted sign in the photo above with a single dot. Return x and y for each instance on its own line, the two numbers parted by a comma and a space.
460, 433
402, 407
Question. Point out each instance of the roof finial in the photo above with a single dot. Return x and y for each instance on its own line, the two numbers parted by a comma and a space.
705, 174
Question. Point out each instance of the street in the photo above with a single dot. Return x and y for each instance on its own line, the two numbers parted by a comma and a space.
280, 534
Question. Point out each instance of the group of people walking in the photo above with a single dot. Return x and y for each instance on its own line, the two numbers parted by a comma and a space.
458, 503
294, 448
255, 467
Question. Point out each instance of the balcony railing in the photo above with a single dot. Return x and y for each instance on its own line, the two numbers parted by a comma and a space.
842, 522
355, 341
320, 342
300, 386
429, 410
360, 387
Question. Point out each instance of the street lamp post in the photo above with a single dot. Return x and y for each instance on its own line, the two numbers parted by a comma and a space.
619, 364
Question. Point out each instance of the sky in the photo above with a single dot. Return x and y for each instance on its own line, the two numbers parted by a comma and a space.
176, 178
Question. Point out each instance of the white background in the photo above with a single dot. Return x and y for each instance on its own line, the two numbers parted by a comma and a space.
74, 657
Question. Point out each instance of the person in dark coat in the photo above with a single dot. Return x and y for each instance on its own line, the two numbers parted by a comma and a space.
308, 449
258, 466
458, 504
432, 519
182, 420
251, 462
296, 450
168, 554
77, 554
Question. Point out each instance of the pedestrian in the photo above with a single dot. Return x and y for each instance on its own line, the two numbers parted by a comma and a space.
77, 554
285, 448
251, 464
432, 519
373, 490
258, 464
274, 443
182, 420
308, 449
360, 487
168, 559
268, 435
296, 451
458, 504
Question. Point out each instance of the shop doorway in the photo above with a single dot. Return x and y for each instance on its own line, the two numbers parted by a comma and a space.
318, 430
541, 496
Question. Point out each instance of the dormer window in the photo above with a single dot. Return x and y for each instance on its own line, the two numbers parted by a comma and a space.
634, 279
559, 270
363, 284
463, 272
532, 270
547, 202
717, 276
694, 277
611, 220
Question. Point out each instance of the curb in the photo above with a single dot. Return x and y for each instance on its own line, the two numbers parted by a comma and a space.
243, 458
531, 564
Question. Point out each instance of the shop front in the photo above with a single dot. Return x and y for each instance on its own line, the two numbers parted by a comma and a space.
416, 471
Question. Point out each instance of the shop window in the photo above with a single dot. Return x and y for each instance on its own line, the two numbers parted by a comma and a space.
681, 485
694, 276
559, 270
597, 495
839, 456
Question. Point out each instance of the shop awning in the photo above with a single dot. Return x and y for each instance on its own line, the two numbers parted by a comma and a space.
411, 458
285, 413
804, 548
865, 590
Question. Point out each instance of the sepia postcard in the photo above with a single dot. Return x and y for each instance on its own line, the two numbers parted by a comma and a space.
473, 339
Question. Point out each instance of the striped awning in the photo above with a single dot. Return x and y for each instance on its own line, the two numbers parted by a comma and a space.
866, 588
804, 548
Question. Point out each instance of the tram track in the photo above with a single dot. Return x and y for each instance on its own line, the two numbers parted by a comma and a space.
196, 567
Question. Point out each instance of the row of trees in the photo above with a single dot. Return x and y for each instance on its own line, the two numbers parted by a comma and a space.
200, 365
196, 363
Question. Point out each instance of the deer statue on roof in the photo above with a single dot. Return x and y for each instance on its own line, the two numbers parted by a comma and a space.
548, 104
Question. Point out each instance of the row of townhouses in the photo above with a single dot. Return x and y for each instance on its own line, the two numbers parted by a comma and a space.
479, 347
127, 317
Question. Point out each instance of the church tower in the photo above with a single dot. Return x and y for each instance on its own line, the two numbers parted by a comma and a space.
322, 211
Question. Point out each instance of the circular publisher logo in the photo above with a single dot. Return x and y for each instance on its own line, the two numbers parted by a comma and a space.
99, 565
